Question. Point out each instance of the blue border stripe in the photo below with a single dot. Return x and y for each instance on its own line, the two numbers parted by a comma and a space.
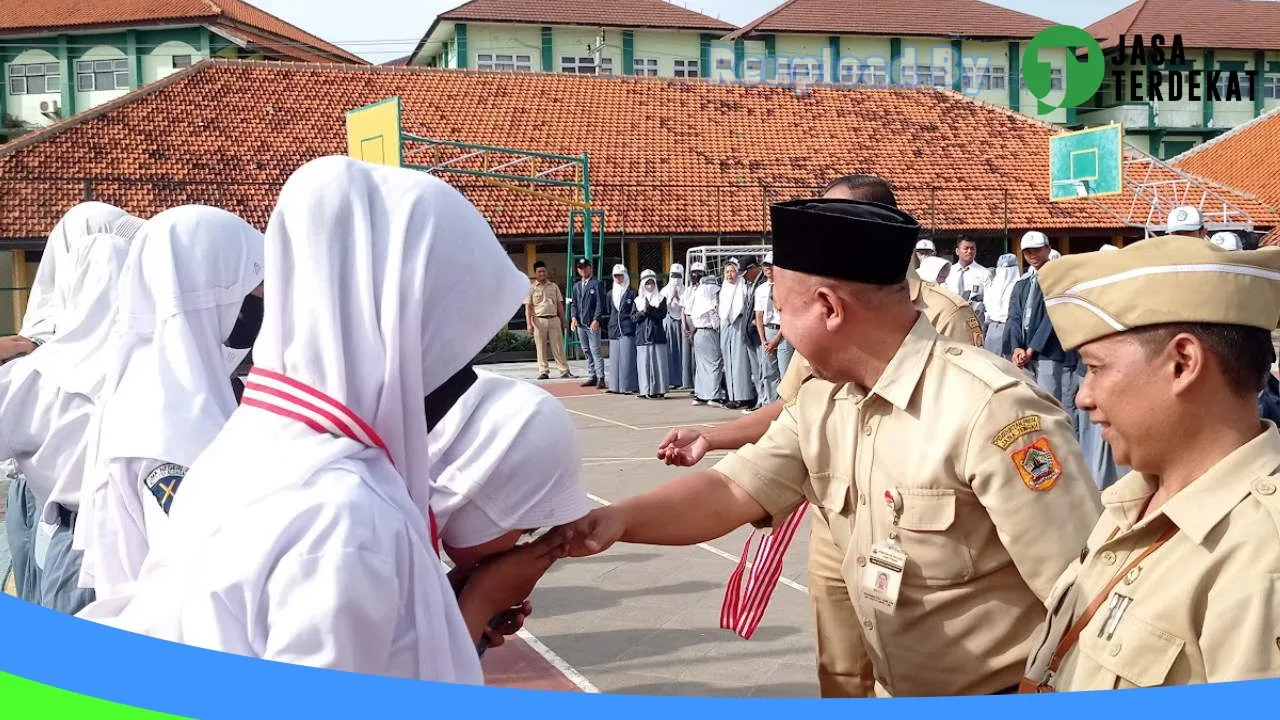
105, 663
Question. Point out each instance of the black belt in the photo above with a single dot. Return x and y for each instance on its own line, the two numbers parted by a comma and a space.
547, 317
67, 518
1007, 691
773, 327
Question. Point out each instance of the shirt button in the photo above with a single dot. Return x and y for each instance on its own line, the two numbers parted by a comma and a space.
1265, 487
1109, 558
862, 561
862, 499
1114, 650
866, 430
867, 624
953, 351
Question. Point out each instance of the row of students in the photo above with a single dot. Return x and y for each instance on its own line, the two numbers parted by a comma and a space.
307, 523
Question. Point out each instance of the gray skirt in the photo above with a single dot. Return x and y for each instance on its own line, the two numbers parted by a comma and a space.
708, 380
622, 365
651, 360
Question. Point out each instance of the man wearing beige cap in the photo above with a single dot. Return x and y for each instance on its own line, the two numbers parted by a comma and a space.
1180, 580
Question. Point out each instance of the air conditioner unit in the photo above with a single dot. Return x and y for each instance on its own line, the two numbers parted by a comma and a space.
50, 106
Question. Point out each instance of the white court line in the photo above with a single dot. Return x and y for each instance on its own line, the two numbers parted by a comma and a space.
717, 551
558, 662
601, 419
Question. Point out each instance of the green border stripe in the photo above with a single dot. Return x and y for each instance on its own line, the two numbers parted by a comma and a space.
25, 698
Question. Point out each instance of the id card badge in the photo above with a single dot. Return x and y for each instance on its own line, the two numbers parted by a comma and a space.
882, 578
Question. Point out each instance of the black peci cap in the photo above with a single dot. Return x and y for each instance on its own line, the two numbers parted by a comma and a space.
843, 239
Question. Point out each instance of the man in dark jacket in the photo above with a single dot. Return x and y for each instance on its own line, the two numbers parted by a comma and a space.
589, 312
1030, 334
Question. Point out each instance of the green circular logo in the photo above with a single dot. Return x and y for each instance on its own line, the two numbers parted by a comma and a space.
1081, 78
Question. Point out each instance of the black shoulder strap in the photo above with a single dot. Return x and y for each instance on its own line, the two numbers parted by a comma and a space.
442, 399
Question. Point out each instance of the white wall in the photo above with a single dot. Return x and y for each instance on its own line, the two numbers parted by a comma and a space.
159, 62
27, 107
86, 100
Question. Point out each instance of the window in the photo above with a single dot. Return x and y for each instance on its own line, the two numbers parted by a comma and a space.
94, 75
686, 68
1271, 87
505, 63
724, 64
181, 61
925, 75
1223, 81
753, 68
34, 79
873, 74
992, 77
578, 65
606, 66
645, 67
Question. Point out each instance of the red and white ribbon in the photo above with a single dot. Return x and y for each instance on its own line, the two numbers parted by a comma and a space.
286, 397
744, 607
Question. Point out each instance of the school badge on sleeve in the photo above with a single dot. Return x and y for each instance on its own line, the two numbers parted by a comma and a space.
1038, 465
163, 483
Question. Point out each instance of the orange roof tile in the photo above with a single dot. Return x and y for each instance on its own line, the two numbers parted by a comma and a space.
1233, 24
668, 157
27, 16
1247, 158
934, 18
613, 13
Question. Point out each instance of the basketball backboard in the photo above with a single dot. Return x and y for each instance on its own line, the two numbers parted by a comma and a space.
373, 133
1086, 163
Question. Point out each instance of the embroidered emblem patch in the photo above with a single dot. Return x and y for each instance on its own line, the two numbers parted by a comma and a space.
1014, 430
975, 330
1038, 465
163, 483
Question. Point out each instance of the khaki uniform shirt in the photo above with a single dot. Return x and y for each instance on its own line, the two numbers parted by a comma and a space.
544, 299
949, 314
1205, 605
997, 500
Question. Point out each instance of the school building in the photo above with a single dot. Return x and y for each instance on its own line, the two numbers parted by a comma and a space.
673, 164
61, 58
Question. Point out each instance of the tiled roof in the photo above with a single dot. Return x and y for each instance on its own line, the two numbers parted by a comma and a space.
27, 16
1247, 158
668, 157
934, 18
398, 62
605, 13
1234, 24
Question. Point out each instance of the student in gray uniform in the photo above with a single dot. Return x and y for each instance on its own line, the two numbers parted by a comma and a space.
769, 326
704, 319
588, 313
734, 346
623, 379
1029, 332
651, 337
678, 345
753, 278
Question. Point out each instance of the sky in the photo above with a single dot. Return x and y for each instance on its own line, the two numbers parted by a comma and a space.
382, 30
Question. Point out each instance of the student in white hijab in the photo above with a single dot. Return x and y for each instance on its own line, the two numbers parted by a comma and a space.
49, 290
304, 532
934, 269
677, 342
46, 401
995, 302
703, 318
168, 389
623, 377
651, 338
739, 387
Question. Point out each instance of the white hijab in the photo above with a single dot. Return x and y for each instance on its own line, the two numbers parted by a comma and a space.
51, 288
995, 298
649, 295
167, 391
673, 291
931, 268
620, 287
492, 471
732, 298
360, 260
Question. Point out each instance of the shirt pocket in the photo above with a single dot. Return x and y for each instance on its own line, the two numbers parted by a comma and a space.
937, 554
1139, 655
828, 492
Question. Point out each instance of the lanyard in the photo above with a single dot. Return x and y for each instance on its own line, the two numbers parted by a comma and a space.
281, 395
